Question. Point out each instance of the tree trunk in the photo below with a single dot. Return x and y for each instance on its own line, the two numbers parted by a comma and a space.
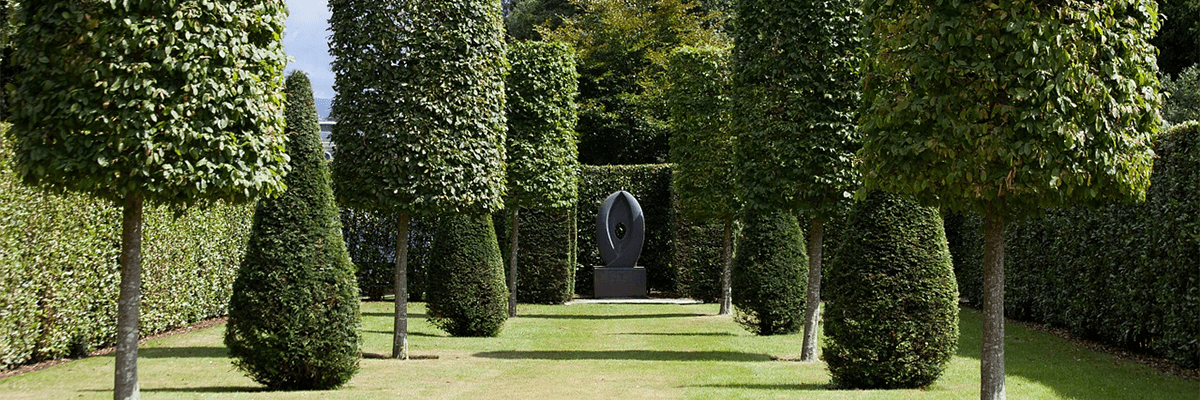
812, 310
512, 268
992, 356
400, 325
727, 266
125, 385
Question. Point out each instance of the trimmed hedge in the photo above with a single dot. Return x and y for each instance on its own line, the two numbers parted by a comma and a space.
651, 185
892, 316
466, 292
770, 274
697, 259
371, 240
294, 314
546, 257
59, 268
1123, 274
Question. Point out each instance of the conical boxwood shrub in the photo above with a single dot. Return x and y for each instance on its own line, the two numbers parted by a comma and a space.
466, 291
294, 314
770, 274
891, 320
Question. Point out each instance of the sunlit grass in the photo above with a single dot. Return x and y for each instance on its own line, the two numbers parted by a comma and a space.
600, 351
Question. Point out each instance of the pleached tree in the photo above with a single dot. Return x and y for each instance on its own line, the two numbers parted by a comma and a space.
420, 110
541, 146
149, 101
1005, 109
293, 318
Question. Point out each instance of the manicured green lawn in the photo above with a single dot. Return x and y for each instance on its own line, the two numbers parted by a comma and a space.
603, 352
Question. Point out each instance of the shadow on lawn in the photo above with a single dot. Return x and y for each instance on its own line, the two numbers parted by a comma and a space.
748, 386
675, 334
606, 317
205, 389
634, 355
410, 333
390, 315
183, 352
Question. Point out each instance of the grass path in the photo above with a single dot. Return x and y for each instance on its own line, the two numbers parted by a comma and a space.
603, 351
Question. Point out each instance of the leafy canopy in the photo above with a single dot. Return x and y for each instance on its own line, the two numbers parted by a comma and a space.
702, 140
177, 101
1007, 107
542, 156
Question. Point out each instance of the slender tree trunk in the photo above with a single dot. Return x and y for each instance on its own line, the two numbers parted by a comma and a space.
812, 312
992, 356
726, 268
400, 325
512, 268
125, 385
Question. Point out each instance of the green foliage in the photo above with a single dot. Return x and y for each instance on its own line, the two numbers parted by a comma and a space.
770, 274
293, 317
698, 259
542, 155
1145, 255
420, 105
466, 292
60, 250
1008, 108
371, 240
964, 232
796, 87
546, 258
1183, 103
622, 48
1178, 41
528, 15
892, 316
651, 186
7, 69
702, 140
176, 101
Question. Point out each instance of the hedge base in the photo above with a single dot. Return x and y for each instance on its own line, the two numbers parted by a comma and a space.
619, 282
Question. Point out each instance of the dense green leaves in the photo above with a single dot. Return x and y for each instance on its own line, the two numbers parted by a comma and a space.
769, 278
702, 140
892, 314
1011, 106
178, 101
420, 105
371, 240
293, 317
546, 259
795, 78
466, 291
542, 156
1183, 103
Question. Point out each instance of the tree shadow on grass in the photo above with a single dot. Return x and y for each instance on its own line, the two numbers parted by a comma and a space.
184, 352
391, 315
410, 333
630, 355
723, 334
608, 317
776, 386
206, 389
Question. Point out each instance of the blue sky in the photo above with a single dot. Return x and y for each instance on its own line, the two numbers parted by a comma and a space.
305, 39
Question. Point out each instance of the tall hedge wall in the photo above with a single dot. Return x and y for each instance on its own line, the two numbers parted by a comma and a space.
371, 240
1124, 274
546, 257
59, 268
651, 185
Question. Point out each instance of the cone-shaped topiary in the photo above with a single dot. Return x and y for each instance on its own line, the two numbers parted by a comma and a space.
294, 314
892, 314
465, 289
770, 274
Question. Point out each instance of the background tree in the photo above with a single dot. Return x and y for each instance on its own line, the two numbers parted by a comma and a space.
542, 156
701, 142
1178, 41
148, 101
528, 16
8, 71
1183, 103
293, 317
622, 48
795, 68
420, 110
892, 319
1065, 114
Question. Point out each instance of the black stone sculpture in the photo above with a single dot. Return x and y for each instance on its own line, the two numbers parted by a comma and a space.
620, 232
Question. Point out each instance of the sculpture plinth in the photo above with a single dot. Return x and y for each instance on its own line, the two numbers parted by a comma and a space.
620, 232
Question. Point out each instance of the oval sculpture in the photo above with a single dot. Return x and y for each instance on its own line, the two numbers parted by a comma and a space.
619, 209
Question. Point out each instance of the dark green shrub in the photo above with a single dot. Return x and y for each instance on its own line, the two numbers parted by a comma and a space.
770, 274
546, 259
1183, 103
651, 185
892, 316
293, 318
465, 288
371, 240
697, 259
964, 233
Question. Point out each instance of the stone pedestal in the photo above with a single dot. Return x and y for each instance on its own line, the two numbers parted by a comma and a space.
619, 282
